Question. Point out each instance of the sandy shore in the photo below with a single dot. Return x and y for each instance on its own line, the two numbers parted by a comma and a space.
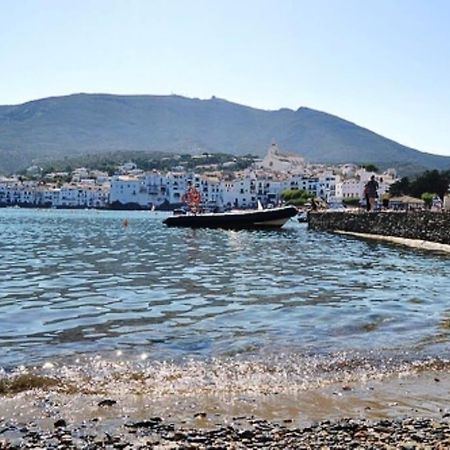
409, 410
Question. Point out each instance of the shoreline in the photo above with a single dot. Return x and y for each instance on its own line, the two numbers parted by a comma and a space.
418, 229
245, 433
394, 409
412, 243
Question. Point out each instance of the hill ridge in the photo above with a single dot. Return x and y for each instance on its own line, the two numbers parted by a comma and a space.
54, 127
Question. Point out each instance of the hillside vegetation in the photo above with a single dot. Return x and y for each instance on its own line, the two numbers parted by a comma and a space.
57, 127
147, 161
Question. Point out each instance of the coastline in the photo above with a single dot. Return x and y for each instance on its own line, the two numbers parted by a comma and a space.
368, 364
412, 243
414, 228
403, 408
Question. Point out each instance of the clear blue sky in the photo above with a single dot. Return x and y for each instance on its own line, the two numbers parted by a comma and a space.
384, 64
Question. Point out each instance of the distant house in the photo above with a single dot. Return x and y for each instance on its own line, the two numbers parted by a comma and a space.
437, 204
406, 203
447, 202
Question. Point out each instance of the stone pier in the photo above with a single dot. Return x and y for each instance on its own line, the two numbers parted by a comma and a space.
430, 226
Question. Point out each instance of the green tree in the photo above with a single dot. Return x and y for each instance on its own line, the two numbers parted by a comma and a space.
370, 167
296, 197
400, 187
427, 197
431, 181
109, 168
351, 201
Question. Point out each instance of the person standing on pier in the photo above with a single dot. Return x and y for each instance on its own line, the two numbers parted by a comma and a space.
371, 193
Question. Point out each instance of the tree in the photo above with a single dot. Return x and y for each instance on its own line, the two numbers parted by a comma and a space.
296, 197
351, 201
401, 187
370, 167
427, 197
431, 181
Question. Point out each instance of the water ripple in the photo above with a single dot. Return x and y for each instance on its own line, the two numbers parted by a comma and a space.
76, 282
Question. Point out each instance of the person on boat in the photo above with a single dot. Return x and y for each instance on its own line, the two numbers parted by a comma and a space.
371, 193
193, 199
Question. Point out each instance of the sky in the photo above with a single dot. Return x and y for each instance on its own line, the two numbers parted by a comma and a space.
383, 64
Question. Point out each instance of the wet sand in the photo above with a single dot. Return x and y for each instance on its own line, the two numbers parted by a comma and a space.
391, 403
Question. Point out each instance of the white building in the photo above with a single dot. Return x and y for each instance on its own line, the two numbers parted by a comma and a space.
47, 195
126, 168
82, 196
354, 187
129, 190
15, 192
279, 161
264, 182
79, 174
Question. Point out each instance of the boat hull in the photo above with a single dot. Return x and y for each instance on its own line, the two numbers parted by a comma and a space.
267, 218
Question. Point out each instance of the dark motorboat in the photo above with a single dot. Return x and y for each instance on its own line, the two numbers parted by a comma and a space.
266, 218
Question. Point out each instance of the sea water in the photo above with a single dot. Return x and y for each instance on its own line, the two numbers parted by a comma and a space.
88, 291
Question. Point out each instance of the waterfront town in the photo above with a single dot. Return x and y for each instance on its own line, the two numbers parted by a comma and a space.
132, 188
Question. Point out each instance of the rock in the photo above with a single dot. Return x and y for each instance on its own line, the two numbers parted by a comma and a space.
151, 423
177, 436
106, 402
257, 434
66, 438
60, 423
246, 434
156, 419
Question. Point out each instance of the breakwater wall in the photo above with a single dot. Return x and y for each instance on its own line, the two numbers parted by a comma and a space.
430, 226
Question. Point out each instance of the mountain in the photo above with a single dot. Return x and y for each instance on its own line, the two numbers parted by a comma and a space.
57, 127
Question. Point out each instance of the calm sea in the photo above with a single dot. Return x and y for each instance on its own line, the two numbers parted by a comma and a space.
80, 284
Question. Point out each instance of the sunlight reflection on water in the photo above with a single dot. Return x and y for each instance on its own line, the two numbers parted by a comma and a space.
76, 282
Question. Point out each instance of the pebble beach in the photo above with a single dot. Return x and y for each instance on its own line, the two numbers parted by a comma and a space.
155, 433
408, 411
